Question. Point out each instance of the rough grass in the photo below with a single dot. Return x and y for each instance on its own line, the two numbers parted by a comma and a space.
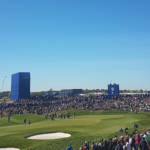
87, 125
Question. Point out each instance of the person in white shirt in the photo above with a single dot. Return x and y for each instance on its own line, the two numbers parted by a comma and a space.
128, 145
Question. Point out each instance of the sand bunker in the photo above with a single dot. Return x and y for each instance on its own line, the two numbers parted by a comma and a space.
9, 148
49, 136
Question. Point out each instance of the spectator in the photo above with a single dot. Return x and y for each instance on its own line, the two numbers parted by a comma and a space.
69, 147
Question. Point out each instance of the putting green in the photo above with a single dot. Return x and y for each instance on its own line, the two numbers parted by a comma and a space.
87, 126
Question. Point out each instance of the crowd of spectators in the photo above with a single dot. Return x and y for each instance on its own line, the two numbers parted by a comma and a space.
132, 103
128, 142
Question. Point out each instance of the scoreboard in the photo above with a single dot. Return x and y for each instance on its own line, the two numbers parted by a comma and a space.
113, 90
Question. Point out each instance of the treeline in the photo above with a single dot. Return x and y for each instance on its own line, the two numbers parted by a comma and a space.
94, 91
41, 93
85, 91
5, 94
132, 91
105, 91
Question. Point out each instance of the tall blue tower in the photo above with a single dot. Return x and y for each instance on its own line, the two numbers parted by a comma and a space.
20, 86
113, 90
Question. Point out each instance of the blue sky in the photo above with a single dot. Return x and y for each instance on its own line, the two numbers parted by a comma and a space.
76, 43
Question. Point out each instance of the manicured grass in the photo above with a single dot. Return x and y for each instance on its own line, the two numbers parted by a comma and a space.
87, 126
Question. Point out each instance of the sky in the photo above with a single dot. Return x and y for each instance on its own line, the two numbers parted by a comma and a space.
75, 43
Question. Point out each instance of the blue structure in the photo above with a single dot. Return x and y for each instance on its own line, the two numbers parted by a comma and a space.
70, 92
20, 86
113, 90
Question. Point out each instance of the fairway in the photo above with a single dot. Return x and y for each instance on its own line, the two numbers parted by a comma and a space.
87, 126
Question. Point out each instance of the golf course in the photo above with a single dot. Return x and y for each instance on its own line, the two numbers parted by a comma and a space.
86, 126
